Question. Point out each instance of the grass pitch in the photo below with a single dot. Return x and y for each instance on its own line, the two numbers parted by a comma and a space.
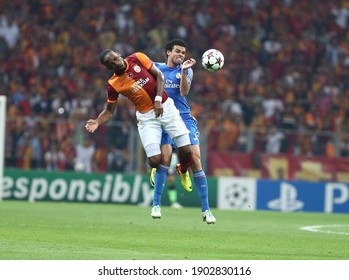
81, 231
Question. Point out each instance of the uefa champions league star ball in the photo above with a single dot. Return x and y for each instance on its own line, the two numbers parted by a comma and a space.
79, 166
212, 60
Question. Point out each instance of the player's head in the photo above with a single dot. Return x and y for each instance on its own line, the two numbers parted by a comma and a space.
112, 61
174, 42
175, 51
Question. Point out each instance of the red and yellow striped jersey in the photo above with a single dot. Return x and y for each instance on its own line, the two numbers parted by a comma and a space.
136, 83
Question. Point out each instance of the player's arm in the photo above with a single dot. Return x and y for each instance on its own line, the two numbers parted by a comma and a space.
103, 117
160, 84
184, 85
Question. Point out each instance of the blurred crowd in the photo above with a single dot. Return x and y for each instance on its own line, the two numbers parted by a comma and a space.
285, 77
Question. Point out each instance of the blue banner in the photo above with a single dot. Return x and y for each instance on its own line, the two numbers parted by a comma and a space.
302, 196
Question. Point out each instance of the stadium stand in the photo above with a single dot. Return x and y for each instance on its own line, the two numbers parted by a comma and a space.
286, 67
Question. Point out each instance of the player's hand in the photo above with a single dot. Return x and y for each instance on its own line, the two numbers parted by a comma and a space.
158, 109
188, 63
91, 125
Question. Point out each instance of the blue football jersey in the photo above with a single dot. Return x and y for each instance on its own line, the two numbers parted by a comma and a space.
172, 81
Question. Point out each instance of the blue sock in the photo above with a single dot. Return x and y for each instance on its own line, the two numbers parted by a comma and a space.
202, 188
160, 181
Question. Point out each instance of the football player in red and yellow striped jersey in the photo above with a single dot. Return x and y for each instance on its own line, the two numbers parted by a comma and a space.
137, 78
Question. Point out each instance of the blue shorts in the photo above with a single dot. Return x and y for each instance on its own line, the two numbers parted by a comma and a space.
194, 133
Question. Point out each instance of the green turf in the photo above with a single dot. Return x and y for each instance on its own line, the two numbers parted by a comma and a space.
75, 231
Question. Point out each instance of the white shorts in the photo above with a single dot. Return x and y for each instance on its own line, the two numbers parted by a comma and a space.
150, 127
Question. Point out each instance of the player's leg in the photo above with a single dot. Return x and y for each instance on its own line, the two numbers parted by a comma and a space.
166, 151
200, 180
182, 167
175, 127
150, 131
170, 160
161, 173
201, 185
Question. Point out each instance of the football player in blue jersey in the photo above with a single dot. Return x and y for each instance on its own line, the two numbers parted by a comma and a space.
178, 75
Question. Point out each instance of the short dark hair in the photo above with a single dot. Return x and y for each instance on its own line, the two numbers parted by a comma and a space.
103, 54
174, 42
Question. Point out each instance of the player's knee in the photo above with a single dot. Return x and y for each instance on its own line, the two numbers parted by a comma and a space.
196, 164
166, 160
185, 151
154, 161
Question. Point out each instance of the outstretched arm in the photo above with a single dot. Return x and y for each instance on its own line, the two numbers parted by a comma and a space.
184, 87
104, 116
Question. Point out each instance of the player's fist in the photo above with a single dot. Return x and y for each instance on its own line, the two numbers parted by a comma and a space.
188, 63
158, 109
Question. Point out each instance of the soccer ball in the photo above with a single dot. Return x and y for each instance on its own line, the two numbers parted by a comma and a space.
212, 60
79, 166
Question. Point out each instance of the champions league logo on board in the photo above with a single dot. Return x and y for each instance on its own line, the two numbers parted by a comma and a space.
237, 195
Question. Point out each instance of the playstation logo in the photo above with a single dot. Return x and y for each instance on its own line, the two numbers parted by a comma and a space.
287, 202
